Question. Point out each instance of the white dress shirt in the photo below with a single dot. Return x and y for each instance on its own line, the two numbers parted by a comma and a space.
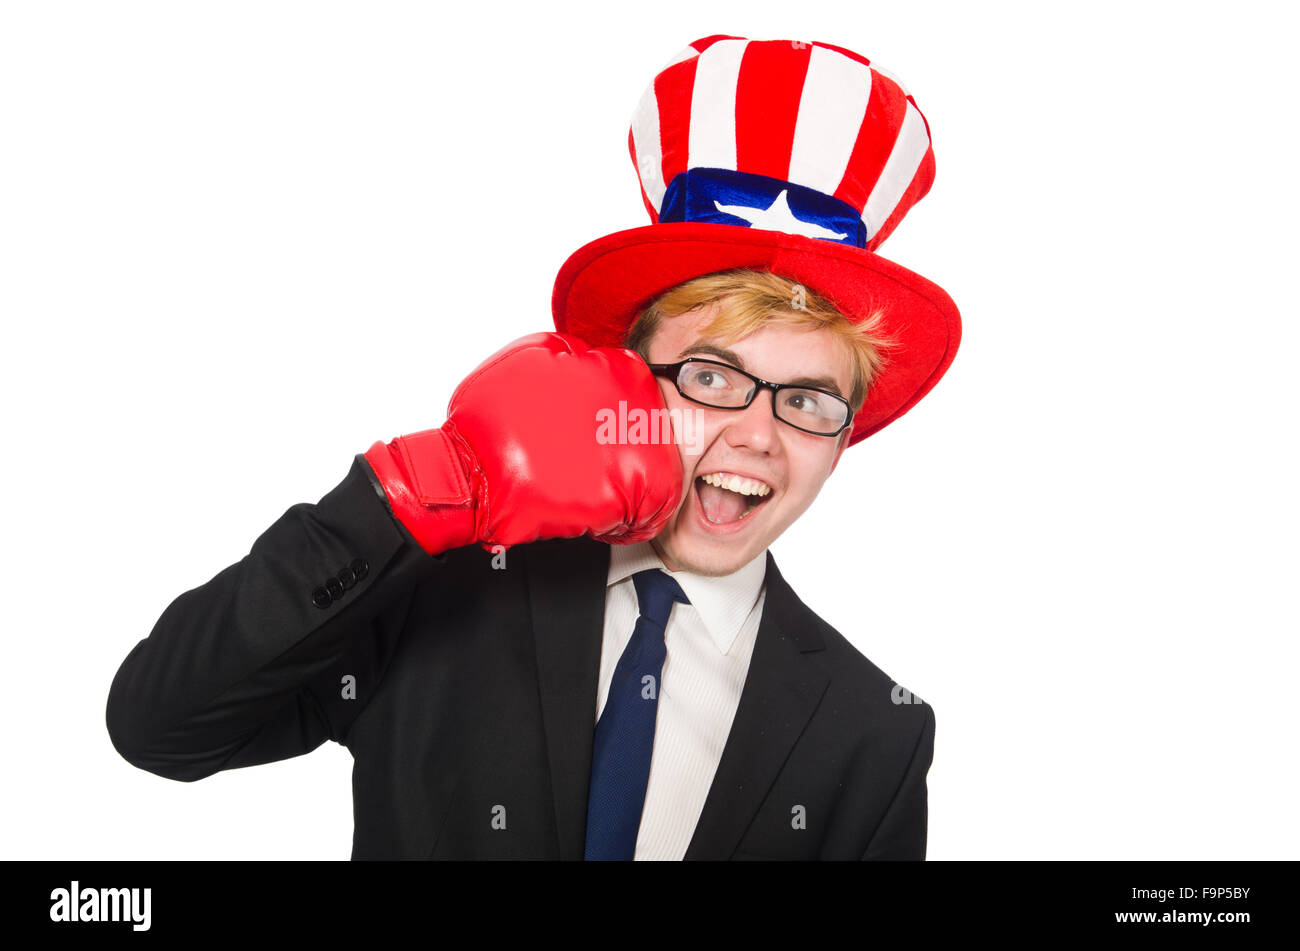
709, 644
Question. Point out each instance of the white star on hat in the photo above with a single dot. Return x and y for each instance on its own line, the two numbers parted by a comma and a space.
778, 217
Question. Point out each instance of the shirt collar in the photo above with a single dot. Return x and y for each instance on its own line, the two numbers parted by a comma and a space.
723, 602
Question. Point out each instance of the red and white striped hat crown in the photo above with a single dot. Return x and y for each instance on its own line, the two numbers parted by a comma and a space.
798, 158
808, 114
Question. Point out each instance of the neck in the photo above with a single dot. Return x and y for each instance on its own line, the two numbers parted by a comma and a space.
668, 562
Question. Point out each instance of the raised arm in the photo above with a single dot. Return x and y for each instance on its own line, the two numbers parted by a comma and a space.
247, 668
241, 670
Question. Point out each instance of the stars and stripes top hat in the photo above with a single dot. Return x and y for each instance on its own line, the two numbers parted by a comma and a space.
793, 157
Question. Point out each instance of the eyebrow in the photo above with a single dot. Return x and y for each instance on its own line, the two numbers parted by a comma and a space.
730, 356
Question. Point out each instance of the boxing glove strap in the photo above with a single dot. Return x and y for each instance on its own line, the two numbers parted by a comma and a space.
434, 468
427, 488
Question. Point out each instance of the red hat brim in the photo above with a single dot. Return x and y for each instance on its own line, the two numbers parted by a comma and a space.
604, 285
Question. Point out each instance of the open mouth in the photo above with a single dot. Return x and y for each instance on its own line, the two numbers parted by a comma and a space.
726, 498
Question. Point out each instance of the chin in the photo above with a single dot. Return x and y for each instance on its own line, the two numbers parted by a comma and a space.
703, 561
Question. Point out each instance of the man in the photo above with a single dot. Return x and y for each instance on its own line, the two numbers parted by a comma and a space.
622, 673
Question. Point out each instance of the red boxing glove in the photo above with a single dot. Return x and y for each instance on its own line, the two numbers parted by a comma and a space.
519, 458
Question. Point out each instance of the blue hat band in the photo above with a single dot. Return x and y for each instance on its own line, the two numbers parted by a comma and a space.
726, 197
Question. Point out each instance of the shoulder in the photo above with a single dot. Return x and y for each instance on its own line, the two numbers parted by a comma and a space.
571, 567
858, 688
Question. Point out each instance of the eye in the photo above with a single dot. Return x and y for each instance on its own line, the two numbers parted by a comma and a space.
802, 401
706, 377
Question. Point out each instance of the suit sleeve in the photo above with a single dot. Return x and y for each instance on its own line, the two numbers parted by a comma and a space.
902, 831
246, 668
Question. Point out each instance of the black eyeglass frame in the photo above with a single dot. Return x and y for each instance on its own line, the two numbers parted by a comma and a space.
671, 371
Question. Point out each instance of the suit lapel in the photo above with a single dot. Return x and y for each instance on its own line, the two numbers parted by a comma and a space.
782, 689
566, 589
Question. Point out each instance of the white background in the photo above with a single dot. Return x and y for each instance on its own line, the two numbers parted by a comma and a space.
239, 242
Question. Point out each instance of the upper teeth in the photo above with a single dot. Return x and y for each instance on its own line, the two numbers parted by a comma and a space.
725, 480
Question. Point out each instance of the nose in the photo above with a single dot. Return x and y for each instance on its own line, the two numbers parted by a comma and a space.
754, 427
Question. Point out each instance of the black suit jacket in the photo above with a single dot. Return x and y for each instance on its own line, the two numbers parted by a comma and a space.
467, 696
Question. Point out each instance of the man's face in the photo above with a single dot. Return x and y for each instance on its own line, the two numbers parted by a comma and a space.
749, 442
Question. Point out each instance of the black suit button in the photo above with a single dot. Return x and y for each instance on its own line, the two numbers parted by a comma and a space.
321, 598
360, 567
335, 588
347, 578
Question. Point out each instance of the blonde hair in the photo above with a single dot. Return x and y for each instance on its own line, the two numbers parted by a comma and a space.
750, 300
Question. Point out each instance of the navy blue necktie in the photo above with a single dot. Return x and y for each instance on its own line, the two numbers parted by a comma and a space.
625, 734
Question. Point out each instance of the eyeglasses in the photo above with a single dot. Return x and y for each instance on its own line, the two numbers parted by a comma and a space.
723, 386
